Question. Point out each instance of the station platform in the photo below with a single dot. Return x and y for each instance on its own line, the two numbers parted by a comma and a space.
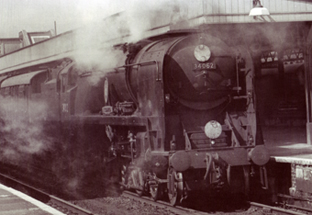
295, 153
287, 144
13, 202
296, 178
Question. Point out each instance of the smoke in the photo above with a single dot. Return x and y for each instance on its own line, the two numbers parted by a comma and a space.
96, 42
21, 131
31, 141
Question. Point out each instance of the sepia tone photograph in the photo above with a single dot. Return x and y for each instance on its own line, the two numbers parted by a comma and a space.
169, 107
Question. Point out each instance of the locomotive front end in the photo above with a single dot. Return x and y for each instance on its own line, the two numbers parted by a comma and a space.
205, 85
210, 115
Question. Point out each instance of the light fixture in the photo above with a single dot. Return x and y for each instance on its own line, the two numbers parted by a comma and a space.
213, 130
258, 9
202, 53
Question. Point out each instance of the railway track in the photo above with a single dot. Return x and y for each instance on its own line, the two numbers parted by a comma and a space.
163, 204
53, 201
280, 211
254, 206
69, 208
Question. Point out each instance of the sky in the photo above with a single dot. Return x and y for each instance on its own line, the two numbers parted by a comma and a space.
40, 15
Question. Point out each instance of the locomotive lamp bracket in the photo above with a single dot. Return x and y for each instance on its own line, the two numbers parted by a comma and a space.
173, 143
237, 88
188, 145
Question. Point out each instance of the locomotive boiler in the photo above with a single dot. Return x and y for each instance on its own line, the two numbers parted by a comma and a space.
180, 114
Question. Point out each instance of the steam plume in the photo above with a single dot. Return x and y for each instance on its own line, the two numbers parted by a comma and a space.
17, 135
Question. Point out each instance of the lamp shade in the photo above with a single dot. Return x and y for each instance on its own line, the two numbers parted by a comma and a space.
259, 11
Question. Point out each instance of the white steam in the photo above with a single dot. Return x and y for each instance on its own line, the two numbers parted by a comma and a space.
94, 43
21, 129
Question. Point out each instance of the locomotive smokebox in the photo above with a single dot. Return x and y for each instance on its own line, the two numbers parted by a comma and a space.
200, 71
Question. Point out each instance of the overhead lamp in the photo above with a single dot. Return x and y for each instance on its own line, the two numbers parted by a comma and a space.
258, 9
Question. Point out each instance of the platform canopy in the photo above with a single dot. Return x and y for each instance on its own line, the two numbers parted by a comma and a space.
181, 14
144, 22
24, 79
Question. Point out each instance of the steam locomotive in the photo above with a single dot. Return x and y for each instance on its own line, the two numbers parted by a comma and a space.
178, 111
188, 120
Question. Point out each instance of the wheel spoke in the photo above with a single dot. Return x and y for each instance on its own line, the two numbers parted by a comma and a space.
174, 193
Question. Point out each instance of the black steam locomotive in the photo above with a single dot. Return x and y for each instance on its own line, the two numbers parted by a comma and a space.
178, 111
181, 111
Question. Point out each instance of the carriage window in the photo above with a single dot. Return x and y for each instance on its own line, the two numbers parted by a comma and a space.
6, 91
37, 81
11, 91
21, 91
72, 77
15, 91
64, 82
36, 88
26, 91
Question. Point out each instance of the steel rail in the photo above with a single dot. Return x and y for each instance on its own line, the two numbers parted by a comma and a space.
270, 209
53, 201
300, 199
164, 205
67, 207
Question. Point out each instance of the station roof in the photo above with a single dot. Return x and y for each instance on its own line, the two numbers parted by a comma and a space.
2, 78
23, 79
122, 28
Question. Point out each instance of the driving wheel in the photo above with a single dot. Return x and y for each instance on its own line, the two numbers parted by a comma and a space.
174, 187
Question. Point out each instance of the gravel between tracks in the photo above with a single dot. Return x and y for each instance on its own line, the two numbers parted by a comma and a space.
124, 206
120, 205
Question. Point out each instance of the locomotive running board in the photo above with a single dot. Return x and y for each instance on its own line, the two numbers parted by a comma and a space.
110, 120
